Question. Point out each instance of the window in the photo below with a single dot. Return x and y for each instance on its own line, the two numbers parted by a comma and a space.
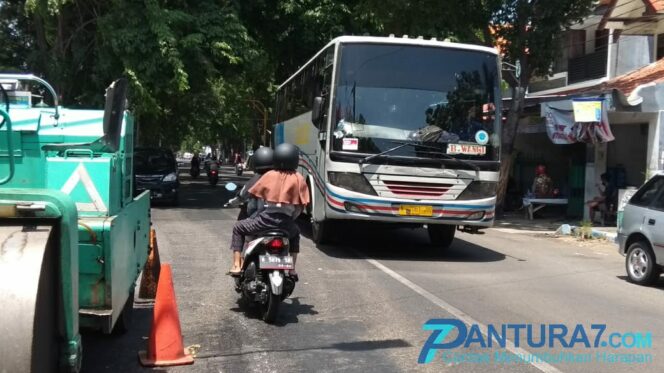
659, 201
297, 96
660, 46
601, 39
647, 194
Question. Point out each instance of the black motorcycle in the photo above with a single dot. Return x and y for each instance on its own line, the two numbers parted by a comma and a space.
265, 279
213, 173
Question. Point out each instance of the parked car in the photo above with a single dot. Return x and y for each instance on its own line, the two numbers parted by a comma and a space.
641, 232
156, 170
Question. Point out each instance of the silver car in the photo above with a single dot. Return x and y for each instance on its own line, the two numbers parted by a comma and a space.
641, 233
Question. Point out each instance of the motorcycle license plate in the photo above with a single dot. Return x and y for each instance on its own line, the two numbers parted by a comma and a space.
415, 210
275, 262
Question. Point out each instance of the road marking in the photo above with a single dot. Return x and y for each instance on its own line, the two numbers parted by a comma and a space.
81, 174
509, 345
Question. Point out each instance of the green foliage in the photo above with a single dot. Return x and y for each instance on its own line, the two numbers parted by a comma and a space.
194, 64
585, 230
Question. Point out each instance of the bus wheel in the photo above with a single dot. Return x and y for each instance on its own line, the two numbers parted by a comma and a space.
441, 235
321, 231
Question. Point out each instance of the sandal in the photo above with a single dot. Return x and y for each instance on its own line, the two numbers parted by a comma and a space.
234, 273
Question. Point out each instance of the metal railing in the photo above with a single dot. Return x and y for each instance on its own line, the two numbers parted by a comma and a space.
588, 67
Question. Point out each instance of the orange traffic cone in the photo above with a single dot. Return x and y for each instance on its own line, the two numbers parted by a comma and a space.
150, 276
165, 346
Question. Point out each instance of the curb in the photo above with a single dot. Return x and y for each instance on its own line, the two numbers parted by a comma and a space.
569, 230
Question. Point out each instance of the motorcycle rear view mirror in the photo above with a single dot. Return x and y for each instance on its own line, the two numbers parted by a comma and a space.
231, 187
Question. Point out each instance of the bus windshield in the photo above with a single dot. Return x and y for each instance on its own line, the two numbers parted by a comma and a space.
443, 98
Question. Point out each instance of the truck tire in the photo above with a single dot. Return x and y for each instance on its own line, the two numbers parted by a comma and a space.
441, 235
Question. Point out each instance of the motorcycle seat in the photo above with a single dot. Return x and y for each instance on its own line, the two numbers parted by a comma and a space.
275, 233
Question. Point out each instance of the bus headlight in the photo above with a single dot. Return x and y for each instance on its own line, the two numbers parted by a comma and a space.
478, 190
351, 181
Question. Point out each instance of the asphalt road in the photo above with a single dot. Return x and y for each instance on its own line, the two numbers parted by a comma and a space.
361, 303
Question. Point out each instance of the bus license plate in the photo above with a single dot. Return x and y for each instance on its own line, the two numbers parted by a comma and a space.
275, 262
412, 210
466, 149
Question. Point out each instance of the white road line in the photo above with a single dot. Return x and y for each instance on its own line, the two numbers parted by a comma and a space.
509, 345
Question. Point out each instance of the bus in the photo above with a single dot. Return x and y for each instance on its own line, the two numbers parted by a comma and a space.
396, 130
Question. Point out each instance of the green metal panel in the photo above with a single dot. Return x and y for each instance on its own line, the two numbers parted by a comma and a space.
62, 161
125, 250
576, 190
91, 263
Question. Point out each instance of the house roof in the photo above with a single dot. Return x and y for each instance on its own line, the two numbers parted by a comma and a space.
653, 73
656, 5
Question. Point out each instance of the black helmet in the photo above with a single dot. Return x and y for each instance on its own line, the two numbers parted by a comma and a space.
286, 157
263, 160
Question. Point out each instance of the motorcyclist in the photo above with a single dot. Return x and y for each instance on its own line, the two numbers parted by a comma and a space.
195, 162
285, 194
262, 162
237, 159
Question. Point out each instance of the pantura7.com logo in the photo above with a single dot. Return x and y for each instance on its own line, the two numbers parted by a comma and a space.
539, 336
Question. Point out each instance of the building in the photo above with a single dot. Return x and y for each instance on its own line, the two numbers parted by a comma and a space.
616, 55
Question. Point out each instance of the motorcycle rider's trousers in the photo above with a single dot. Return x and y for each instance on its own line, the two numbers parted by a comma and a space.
266, 221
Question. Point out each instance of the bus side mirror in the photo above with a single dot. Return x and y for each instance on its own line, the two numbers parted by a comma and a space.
316, 110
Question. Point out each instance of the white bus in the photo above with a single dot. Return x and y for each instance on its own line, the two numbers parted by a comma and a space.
396, 130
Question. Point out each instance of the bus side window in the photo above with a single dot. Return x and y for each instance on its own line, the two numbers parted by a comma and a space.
322, 83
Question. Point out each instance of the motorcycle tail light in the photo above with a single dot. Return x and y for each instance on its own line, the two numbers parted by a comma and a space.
214, 172
275, 245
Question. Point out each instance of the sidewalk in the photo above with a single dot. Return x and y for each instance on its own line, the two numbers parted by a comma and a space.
516, 223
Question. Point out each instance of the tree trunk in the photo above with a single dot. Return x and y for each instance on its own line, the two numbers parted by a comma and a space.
507, 148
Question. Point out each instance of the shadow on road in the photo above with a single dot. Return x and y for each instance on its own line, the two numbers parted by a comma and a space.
289, 310
358, 346
658, 285
383, 242
115, 353
199, 194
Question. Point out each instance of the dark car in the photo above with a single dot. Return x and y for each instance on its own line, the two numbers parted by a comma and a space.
156, 171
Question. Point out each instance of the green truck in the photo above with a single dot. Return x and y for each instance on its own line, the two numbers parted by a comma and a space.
73, 237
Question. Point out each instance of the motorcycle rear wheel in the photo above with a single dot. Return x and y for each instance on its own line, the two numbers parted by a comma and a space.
271, 307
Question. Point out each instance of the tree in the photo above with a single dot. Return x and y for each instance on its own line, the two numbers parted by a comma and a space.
529, 32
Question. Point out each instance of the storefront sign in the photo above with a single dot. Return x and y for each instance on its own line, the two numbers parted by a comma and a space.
587, 110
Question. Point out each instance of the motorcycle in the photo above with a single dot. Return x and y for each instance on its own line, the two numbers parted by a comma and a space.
195, 171
238, 169
213, 173
265, 279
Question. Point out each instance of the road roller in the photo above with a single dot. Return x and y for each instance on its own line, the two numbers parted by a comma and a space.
73, 236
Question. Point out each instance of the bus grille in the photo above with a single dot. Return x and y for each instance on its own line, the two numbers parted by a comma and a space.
416, 189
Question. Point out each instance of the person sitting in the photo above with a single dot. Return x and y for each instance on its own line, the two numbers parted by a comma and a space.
285, 194
542, 184
605, 202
